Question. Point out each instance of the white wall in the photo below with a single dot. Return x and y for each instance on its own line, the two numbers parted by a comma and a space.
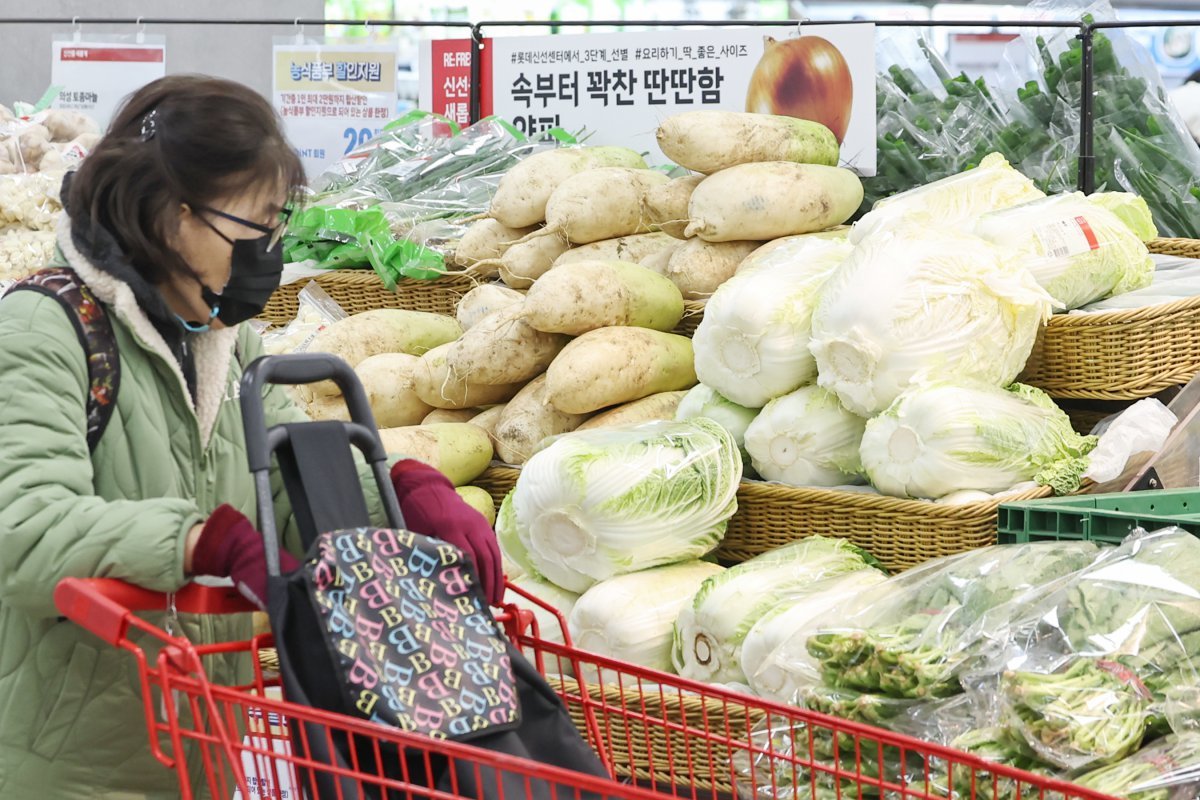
241, 53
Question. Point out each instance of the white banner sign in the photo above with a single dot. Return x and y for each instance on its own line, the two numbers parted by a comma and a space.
620, 86
333, 98
96, 76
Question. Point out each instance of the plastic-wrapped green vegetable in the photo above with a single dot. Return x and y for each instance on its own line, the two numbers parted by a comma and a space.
910, 636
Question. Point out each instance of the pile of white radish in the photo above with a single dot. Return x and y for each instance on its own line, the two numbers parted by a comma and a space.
598, 256
622, 366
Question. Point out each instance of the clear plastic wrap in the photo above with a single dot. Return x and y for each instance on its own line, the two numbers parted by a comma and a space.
912, 636
23, 252
317, 311
30, 200
401, 139
711, 627
402, 207
1168, 769
1077, 251
1096, 666
933, 124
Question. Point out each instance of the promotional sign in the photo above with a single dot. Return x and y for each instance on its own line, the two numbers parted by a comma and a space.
617, 87
445, 70
976, 53
333, 98
96, 76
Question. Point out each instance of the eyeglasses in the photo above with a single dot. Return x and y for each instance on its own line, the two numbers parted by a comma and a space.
275, 231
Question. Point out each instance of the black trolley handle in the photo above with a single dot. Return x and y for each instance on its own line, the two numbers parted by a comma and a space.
261, 442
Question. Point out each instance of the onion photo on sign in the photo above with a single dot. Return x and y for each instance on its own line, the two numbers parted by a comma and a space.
807, 78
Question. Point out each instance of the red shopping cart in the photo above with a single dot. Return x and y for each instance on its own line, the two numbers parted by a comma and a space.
657, 735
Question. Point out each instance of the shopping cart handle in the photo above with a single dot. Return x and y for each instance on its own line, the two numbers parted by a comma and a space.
105, 606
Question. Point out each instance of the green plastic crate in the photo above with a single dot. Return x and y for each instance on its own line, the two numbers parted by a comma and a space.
1099, 517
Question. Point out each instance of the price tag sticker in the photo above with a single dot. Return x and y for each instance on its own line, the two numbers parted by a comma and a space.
1067, 237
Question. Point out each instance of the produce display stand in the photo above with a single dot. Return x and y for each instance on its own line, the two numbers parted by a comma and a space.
901, 533
660, 735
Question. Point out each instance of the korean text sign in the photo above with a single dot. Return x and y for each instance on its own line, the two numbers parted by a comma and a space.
333, 98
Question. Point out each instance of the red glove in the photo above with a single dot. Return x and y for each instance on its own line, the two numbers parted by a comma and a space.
431, 507
229, 546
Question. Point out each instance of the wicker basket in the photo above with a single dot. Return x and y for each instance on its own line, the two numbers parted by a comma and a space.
900, 533
642, 743
1120, 355
358, 290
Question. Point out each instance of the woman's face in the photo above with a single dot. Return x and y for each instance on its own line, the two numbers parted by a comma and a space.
208, 254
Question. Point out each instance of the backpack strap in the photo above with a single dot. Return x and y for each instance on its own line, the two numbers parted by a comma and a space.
94, 329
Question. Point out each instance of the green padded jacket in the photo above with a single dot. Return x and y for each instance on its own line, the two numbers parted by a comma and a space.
72, 720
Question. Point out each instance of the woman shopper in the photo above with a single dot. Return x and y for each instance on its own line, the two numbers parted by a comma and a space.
122, 453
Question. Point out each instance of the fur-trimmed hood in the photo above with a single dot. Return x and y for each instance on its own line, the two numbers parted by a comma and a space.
102, 270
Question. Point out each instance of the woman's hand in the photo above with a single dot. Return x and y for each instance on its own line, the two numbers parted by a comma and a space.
431, 507
229, 546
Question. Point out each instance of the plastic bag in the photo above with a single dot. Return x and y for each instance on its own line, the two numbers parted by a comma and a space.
1168, 769
912, 636
402, 138
30, 201
1076, 250
23, 252
1174, 279
1087, 668
317, 311
409, 202
789, 759
1141, 428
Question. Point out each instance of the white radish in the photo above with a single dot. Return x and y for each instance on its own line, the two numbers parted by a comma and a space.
527, 420
610, 366
441, 387
661, 406
440, 415
711, 141
503, 348
486, 239
521, 196
528, 260
484, 300
667, 205
771, 200
381, 330
459, 450
698, 267
388, 381
658, 262
585, 295
489, 419
624, 248
600, 204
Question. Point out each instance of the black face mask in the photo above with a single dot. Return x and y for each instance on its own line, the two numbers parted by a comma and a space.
256, 268
254, 276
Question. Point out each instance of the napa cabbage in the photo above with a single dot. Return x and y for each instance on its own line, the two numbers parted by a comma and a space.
631, 617
919, 303
806, 438
599, 503
752, 344
710, 629
947, 437
704, 401
954, 202
1077, 250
